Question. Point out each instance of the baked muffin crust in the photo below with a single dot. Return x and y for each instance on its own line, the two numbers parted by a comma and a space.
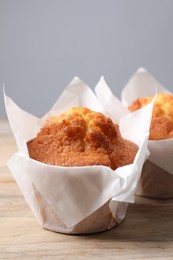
162, 117
81, 137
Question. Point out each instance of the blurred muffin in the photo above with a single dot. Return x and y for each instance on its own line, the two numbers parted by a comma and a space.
81, 137
155, 182
162, 118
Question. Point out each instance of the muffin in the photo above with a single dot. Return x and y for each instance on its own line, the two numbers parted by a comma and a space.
63, 192
155, 182
162, 117
81, 137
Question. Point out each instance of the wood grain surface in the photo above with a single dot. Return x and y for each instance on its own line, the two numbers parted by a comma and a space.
146, 232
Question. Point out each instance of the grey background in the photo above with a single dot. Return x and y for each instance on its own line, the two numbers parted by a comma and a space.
45, 43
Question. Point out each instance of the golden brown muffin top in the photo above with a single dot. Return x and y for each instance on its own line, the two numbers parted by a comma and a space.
81, 137
162, 117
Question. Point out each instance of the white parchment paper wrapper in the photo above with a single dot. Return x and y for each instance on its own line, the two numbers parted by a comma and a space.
144, 84
75, 193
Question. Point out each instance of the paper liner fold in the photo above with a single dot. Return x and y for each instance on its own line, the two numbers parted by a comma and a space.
100, 220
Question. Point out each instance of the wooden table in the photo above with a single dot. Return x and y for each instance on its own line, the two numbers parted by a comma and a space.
146, 232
